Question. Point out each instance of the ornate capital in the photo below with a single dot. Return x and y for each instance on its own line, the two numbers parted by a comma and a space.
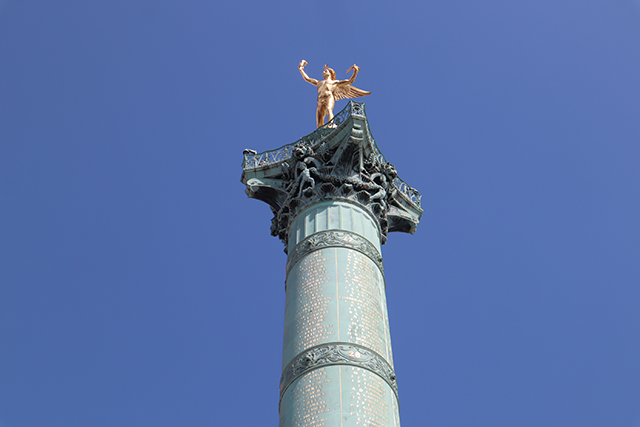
340, 160
337, 354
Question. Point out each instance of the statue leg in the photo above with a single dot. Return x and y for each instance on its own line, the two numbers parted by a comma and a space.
320, 113
330, 104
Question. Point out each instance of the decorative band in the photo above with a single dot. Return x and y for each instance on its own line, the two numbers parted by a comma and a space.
337, 353
334, 238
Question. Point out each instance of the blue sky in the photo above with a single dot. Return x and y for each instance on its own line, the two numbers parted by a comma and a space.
139, 286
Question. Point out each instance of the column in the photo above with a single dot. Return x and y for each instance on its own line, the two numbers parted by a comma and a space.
334, 199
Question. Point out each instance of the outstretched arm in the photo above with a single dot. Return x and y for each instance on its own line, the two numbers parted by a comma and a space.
304, 75
352, 79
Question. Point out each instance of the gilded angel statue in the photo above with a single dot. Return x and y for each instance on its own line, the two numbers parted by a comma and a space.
331, 90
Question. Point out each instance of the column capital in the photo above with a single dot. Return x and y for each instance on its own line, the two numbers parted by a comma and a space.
339, 160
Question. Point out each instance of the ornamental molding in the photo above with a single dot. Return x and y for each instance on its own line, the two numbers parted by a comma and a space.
334, 238
337, 354
338, 161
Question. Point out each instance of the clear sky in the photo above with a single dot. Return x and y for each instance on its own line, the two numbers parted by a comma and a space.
139, 286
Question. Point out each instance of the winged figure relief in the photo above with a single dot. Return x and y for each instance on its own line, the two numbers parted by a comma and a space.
331, 90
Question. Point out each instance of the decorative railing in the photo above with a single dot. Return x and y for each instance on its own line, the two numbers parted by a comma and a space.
411, 193
268, 158
252, 161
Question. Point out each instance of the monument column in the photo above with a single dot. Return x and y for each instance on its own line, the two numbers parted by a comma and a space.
334, 199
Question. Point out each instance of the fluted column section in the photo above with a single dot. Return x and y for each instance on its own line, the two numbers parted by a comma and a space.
337, 358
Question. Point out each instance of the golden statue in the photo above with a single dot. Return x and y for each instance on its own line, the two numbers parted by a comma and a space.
331, 90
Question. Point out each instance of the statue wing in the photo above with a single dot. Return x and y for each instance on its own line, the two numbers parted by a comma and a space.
348, 91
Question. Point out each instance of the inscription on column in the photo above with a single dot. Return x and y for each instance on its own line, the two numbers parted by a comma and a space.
308, 397
313, 307
369, 399
362, 295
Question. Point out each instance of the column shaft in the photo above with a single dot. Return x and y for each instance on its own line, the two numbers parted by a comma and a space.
337, 358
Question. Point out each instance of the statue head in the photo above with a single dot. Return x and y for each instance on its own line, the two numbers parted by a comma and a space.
328, 72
